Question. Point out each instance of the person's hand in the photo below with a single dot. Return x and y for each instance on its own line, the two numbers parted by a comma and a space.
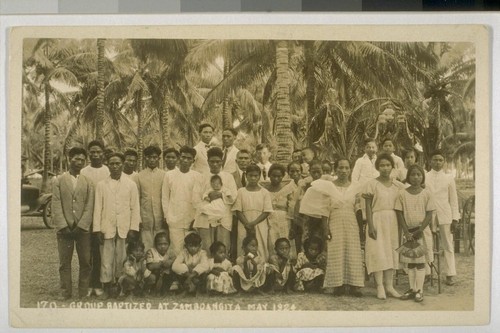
453, 226
214, 195
367, 195
328, 236
132, 236
408, 236
372, 233
100, 236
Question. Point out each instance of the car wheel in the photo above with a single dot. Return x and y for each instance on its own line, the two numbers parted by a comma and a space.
47, 214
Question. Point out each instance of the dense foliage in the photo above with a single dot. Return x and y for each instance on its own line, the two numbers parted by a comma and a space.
291, 94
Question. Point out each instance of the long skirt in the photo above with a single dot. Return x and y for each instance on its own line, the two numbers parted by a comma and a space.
344, 259
380, 253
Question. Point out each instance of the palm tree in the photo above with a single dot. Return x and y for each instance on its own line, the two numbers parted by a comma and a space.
173, 94
100, 89
282, 124
47, 65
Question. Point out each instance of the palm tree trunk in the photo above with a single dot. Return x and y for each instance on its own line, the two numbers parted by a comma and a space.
100, 90
227, 121
140, 144
47, 155
310, 85
283, 120
164, 124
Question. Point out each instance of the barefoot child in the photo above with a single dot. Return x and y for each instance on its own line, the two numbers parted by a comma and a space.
191, 264
282, 274
216, 209
310, 266
136, 277
159, 261
250, 271
219, 279
414, 208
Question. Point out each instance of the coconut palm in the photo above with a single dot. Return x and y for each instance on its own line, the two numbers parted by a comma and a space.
282, 124
47, 66
100, 89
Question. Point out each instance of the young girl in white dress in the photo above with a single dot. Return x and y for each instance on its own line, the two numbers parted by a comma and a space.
382, 232
253, 206
414, 208
219, 280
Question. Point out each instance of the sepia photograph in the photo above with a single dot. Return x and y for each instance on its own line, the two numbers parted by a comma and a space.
306, 173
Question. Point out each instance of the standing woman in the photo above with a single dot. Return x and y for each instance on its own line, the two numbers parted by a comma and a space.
382, 241
344, 268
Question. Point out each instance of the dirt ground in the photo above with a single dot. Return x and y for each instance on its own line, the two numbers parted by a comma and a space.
40, 287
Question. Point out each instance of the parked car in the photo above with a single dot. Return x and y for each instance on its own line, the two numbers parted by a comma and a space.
33, 202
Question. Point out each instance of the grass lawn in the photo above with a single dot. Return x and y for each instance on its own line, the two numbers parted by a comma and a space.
40, 285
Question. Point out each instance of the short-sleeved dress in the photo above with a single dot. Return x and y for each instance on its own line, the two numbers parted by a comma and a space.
223, 282
252, 204
380, 254
279, 225
344, 256
254, 281
414, 208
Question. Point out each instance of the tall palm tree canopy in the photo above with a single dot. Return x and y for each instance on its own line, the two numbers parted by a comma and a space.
331, 95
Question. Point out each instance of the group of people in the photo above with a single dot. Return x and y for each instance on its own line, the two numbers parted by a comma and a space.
216, 221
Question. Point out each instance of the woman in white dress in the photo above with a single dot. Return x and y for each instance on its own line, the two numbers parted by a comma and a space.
382, 241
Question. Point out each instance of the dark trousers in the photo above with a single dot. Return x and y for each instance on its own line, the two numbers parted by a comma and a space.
66, 242
233, 251
95, 252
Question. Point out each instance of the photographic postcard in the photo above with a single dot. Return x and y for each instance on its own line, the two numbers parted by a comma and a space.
321, 87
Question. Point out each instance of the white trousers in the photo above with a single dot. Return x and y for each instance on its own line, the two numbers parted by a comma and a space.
446, 244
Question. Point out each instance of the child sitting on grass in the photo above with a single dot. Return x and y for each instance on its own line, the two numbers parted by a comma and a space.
250, 271
191, 265
219, 279
159, 261
310, 266
282, 275
136, 278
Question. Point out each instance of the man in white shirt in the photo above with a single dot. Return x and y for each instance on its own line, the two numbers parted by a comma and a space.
364, 168
149, 183
171, 158
177, 198
130, 164
399, 165
116, 213
263, 155
229, 150
442, 187
220, 229
206, 132
96, 172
